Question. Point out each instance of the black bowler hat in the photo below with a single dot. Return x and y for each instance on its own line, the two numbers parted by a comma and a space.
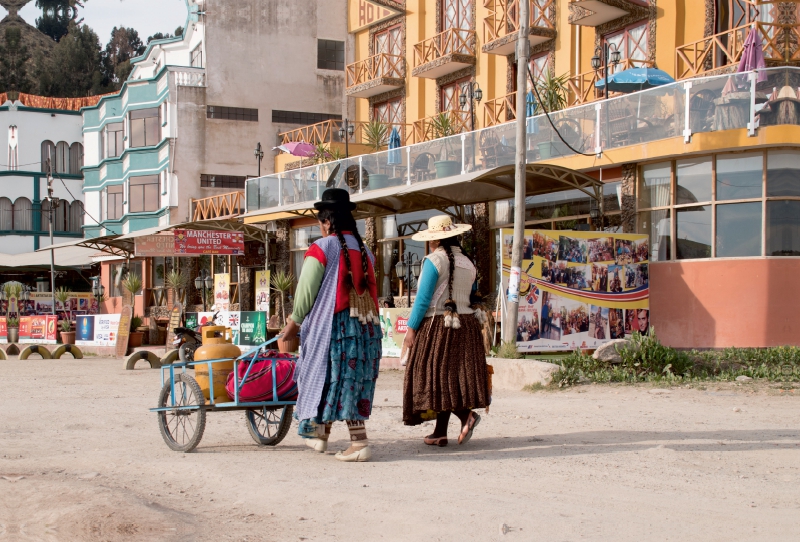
335, 199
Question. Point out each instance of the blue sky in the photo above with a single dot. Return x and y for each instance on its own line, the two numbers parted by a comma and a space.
146, 16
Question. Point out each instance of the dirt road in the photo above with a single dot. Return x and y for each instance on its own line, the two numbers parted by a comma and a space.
81, 458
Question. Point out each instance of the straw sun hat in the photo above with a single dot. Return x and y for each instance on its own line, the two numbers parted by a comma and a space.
441, 227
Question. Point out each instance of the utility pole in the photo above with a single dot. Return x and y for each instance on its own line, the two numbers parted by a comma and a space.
523, 51
53, 204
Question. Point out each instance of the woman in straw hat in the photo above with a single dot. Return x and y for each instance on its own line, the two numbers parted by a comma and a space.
337, 304
446, 368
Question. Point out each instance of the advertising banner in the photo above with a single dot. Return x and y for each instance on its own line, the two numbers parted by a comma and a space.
579, 289
155, 245
84, 332
106, 327
39, 329
42, 303
393, 326
24, 328
262, 290
3, 329
208, 242
222, 288
252, 328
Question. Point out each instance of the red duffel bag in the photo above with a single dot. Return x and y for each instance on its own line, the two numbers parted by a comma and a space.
258, 386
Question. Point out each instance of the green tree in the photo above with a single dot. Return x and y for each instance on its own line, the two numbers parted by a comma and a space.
74, 68
124, 44
13, 62
56, 16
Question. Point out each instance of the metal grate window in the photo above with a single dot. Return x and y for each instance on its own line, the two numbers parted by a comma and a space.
231, 113
221, 181
299, 117
330, 55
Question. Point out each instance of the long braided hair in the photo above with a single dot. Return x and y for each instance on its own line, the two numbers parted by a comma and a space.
341, 221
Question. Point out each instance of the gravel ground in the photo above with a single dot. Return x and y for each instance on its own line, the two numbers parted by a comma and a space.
81, 458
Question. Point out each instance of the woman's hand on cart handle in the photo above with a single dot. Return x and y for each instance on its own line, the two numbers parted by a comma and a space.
408, 342
289, 332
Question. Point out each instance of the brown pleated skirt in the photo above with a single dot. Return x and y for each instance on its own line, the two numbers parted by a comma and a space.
446, 370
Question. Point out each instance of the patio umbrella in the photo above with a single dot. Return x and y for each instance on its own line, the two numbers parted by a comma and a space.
297, 148
531, 127
635, 79
394, 158
753, 55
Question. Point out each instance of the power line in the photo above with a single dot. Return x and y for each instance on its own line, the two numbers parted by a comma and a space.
84, 205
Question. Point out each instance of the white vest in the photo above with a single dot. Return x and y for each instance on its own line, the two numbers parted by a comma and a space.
464, 278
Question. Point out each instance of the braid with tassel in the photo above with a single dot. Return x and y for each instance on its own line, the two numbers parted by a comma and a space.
451, 318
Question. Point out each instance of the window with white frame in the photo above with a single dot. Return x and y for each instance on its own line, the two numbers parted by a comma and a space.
143, 194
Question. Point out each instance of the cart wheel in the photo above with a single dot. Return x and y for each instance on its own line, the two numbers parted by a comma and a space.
268, 425
182, 429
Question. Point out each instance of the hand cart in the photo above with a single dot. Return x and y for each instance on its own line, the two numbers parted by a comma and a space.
182, 406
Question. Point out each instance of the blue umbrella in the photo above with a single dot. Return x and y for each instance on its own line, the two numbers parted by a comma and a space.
394, 158
635, 79
530, 110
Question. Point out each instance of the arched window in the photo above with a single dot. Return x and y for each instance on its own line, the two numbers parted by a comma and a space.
13, 148
75, 158
48, 152
6, 214
62, 157
23, 215
60, 217
75, 216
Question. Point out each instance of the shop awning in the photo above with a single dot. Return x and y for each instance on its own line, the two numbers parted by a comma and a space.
467, 189
66, 257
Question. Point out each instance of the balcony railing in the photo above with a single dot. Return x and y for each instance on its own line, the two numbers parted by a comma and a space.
451, 41
677, 110
779, 42
425, 129
500, 110
375, 67
327, 132
216, 207
189, 77
503, 18
581, 88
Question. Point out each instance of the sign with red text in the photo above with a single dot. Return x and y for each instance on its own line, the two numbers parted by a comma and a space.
364, 14
155, 245
230, 243
38, 329
394, 325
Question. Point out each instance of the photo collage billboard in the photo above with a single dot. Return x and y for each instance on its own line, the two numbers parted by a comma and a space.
579, 289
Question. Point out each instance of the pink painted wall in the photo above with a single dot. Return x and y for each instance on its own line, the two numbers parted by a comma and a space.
721, 303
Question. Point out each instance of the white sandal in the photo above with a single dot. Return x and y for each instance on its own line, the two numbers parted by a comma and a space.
364, 454
317, 444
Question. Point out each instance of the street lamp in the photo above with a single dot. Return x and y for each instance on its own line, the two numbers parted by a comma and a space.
98, 291
409, 265
475, 95
610, 52
348, 130
204, 281
259, 153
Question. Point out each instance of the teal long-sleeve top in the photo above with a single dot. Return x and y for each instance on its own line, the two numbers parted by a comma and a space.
426, 286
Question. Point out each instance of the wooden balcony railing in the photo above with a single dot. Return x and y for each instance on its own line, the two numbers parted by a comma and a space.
581, 89
216, 207
725, 49
327, 132
451, 41
380, 65
424, 128
503, 18
500, 110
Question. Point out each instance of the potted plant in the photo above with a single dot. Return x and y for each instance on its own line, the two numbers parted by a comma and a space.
376, 135
67, 335
132, 283
282, 282
13, 329
448, 165
553, 93
136, 337
62, 296
176, 281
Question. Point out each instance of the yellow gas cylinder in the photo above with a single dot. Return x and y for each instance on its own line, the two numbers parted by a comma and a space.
216, 345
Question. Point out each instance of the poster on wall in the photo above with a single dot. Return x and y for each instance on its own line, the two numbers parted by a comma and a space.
106, 328
222, 288
579, 289
39, 329
394, 324
84, 330
252, 328
262, 290
188, 242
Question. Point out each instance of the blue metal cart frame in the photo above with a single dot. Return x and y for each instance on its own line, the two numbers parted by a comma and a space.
182, 407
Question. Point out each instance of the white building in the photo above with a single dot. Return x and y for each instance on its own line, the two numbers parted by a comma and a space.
28, 136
